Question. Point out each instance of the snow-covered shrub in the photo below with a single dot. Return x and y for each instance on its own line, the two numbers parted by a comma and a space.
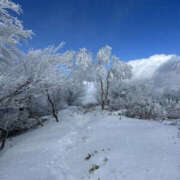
16, 120
170, 100
146, 110
73, 95
138, 99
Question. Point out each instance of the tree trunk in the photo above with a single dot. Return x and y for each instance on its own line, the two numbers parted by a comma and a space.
54, 111
107, 89
4, 137
102, 104
102, 96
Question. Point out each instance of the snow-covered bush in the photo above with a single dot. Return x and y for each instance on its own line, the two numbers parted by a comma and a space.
170, 100
146, 110
139, 100
73, 95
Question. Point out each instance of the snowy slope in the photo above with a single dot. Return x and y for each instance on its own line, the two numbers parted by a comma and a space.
94, 146
145, 68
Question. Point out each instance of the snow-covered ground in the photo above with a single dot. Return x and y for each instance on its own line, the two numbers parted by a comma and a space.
96, 146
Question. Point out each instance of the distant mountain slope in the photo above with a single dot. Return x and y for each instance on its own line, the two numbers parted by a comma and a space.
145, 68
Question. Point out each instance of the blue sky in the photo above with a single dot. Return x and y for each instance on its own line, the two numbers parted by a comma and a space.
134, 28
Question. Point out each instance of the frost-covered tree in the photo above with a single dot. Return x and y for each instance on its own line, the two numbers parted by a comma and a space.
83, 65
48, 77
81, 71
103, 71
11, 34
38, 74
11, 31
109, 70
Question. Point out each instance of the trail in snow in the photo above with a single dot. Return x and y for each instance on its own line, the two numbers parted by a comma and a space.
94, 146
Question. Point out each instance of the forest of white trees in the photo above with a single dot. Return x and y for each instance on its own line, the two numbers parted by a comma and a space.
43, 81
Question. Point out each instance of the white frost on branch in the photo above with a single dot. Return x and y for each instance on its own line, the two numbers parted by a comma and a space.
11, 30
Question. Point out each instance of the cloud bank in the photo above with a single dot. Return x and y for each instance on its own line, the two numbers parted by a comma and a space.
146, 67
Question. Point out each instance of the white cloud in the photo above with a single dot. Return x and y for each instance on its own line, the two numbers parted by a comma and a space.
167, 75
145, 68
